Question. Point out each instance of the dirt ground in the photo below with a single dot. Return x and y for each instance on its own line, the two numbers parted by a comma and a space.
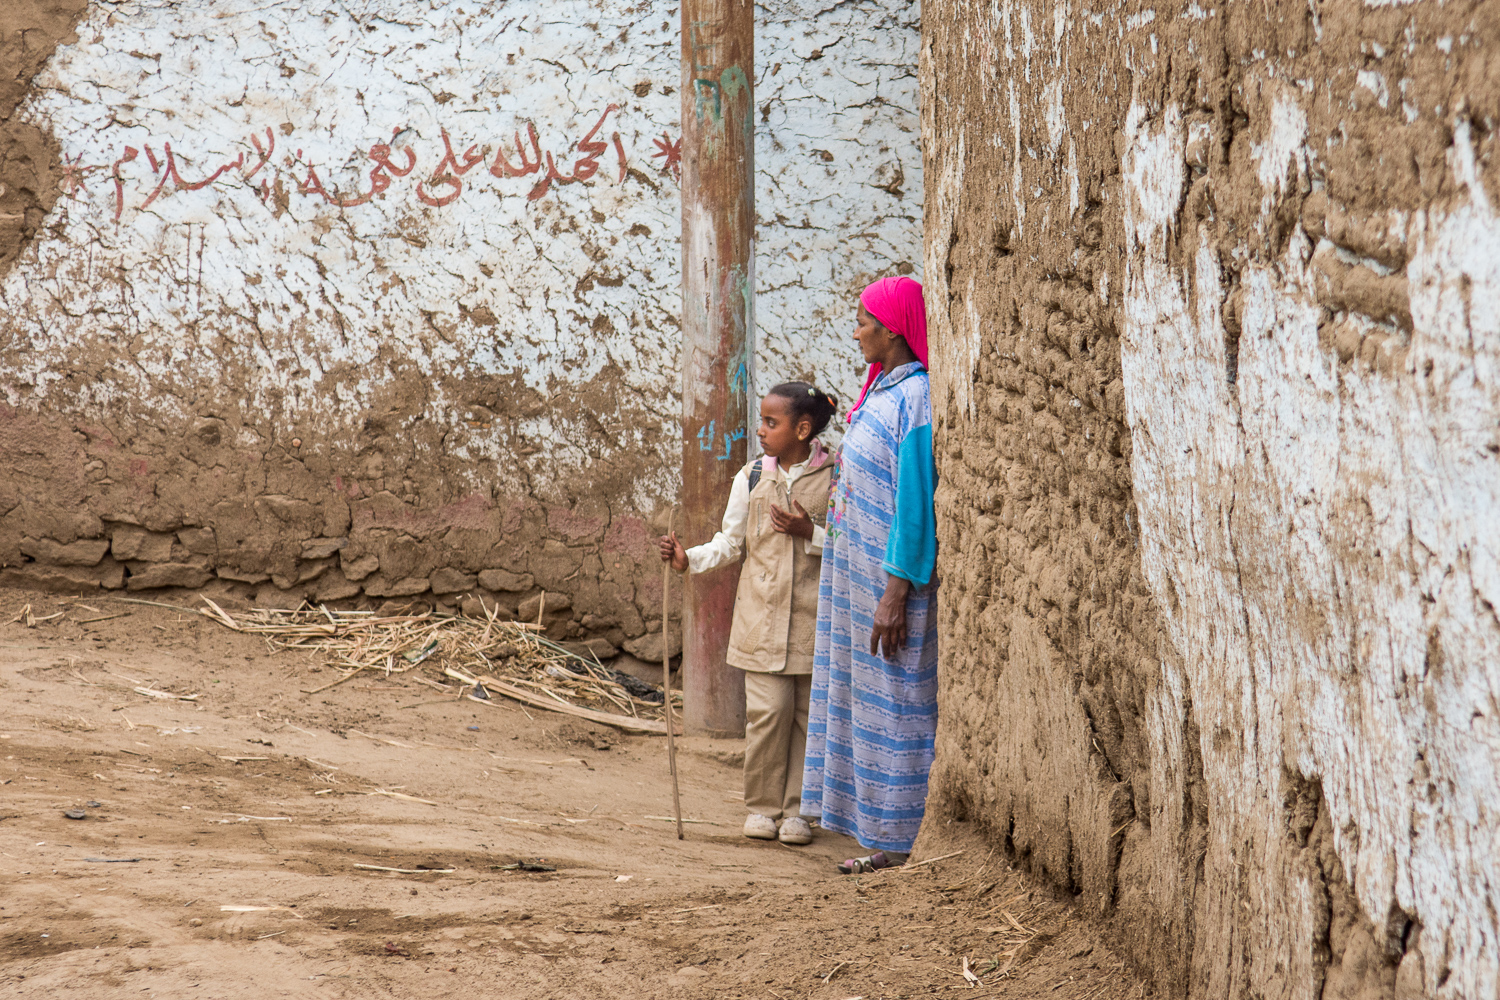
218, 850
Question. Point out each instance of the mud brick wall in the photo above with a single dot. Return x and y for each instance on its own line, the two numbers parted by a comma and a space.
1213, 289
380, 302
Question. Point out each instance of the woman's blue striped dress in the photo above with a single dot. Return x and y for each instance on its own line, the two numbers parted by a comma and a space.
873, 722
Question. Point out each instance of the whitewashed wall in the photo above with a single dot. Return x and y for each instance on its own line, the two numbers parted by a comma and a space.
268, 279
839, 178
1260, 624
1327, 535
258, 218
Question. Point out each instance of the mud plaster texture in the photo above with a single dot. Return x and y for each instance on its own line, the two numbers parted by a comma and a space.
1213, 290
29, 157
381, 302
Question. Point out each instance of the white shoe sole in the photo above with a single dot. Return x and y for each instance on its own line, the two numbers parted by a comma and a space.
763, 833
786, 836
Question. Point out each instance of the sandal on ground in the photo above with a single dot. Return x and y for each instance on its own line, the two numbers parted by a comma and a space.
870, 863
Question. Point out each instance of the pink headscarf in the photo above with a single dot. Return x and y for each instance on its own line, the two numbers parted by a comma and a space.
897, 302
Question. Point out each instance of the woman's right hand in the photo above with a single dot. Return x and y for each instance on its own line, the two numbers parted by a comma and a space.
673, 552
889, 632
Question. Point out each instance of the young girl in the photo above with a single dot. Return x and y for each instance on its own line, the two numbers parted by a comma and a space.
776, 607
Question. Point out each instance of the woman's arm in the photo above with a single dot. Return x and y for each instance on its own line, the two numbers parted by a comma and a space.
911, 551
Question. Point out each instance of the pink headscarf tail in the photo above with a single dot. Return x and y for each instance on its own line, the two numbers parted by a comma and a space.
870, 378
898, 304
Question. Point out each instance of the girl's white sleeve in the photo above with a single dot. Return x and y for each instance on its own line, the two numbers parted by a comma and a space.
814, 545
726, 546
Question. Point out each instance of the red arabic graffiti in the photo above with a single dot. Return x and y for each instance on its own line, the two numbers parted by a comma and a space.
74, 175
170, 172
670, 154
389, 162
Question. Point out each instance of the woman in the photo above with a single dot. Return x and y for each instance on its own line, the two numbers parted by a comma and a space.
873, 716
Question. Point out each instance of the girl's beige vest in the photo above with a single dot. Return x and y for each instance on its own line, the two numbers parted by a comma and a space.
776, 607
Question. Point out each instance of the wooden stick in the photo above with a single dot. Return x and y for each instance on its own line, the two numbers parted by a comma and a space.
401, 795
666, 685
626, 723
669, 819
930, 861
154, 604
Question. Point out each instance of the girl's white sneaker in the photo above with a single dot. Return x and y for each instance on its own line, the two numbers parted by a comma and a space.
758, 827
795, 830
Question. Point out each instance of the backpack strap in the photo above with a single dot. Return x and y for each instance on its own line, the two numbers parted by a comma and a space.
754, 476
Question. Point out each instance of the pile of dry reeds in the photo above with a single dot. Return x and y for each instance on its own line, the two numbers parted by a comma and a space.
513, 657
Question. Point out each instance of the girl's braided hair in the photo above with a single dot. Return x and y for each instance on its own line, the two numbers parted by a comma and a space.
806, 400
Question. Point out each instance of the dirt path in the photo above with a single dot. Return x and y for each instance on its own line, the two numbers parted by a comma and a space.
257, 795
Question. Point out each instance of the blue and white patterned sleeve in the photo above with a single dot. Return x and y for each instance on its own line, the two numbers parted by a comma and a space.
911, 551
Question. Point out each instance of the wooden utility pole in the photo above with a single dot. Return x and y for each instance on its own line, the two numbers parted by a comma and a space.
718, 317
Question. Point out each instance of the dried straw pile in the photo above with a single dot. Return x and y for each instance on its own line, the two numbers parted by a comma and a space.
513, 658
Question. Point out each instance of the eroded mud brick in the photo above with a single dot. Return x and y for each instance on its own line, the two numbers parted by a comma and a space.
504, 579
532, 606
108, 575
403, 556
335, 586
322, 548
33, 519
451, 581
648, 647
199, 541
359, 567
481, 605
128, 543
145, 576
84, 552
241, 576
291, 511
380, 585
555, 564
468, 548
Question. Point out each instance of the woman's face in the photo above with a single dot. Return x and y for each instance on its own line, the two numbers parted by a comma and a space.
874, 339
779, 432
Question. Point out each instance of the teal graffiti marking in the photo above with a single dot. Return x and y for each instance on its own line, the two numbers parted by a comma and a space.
733, 82
708, 440
709, 94
730, 437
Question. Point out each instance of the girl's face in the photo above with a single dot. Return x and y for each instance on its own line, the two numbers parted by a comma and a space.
874, 339
780, 434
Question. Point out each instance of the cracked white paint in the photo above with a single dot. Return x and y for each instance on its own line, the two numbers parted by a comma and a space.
955, 358
838, 164
1323, 541
1052, 114
1283, 145
320, 302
